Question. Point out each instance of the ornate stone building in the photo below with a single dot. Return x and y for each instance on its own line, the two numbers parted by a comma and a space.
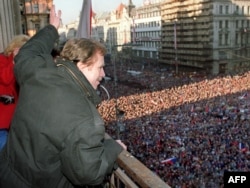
113, 28
35, 15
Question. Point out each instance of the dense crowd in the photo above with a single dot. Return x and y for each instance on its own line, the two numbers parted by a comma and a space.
199, 120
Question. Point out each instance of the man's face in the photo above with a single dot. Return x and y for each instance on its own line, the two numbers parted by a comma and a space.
95, 72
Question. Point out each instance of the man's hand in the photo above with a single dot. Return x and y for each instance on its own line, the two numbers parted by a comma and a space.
122, 144
55, 19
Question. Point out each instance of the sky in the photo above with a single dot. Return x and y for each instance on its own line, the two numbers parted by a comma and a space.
71, 8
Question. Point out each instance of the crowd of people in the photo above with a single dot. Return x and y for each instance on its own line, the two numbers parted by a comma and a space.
198, 121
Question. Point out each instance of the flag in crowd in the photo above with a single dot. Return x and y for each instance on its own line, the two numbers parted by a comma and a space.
242, 147
170, 160
243, 96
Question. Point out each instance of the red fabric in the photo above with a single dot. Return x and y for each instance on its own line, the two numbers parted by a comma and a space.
8, 86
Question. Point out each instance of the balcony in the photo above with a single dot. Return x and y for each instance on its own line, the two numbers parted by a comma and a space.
133, 174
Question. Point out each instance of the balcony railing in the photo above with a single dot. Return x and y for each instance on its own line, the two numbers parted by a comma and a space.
133, 174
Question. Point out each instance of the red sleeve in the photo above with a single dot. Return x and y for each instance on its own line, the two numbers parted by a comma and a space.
6, 70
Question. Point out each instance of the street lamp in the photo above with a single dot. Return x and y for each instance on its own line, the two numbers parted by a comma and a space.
175, 46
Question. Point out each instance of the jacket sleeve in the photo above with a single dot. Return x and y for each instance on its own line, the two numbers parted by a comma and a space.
6, 70
36, 53
87, 157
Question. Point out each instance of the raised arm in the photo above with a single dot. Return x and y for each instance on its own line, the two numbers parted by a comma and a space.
55, 19
36, 53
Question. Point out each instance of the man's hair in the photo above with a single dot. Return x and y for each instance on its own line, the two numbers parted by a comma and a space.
17, 42
83, 50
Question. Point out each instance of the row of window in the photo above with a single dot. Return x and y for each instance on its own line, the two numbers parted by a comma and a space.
154, 44
148, 14
238, 24
148, 24
225, 9
35, 7
239, 53
150, 34
240, 39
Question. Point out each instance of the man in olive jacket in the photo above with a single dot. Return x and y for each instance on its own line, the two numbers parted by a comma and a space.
57, 137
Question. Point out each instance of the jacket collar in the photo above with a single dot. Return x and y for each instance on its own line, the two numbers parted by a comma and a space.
77, 75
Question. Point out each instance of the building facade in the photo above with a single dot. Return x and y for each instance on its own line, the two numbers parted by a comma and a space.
137, 31
231, 35
211, 35
146, 31
34, 15
113, 29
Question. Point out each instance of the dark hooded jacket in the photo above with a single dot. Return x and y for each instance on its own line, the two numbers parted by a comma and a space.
56, 138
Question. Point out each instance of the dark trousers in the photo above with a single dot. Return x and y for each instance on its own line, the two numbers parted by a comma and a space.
3, 137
